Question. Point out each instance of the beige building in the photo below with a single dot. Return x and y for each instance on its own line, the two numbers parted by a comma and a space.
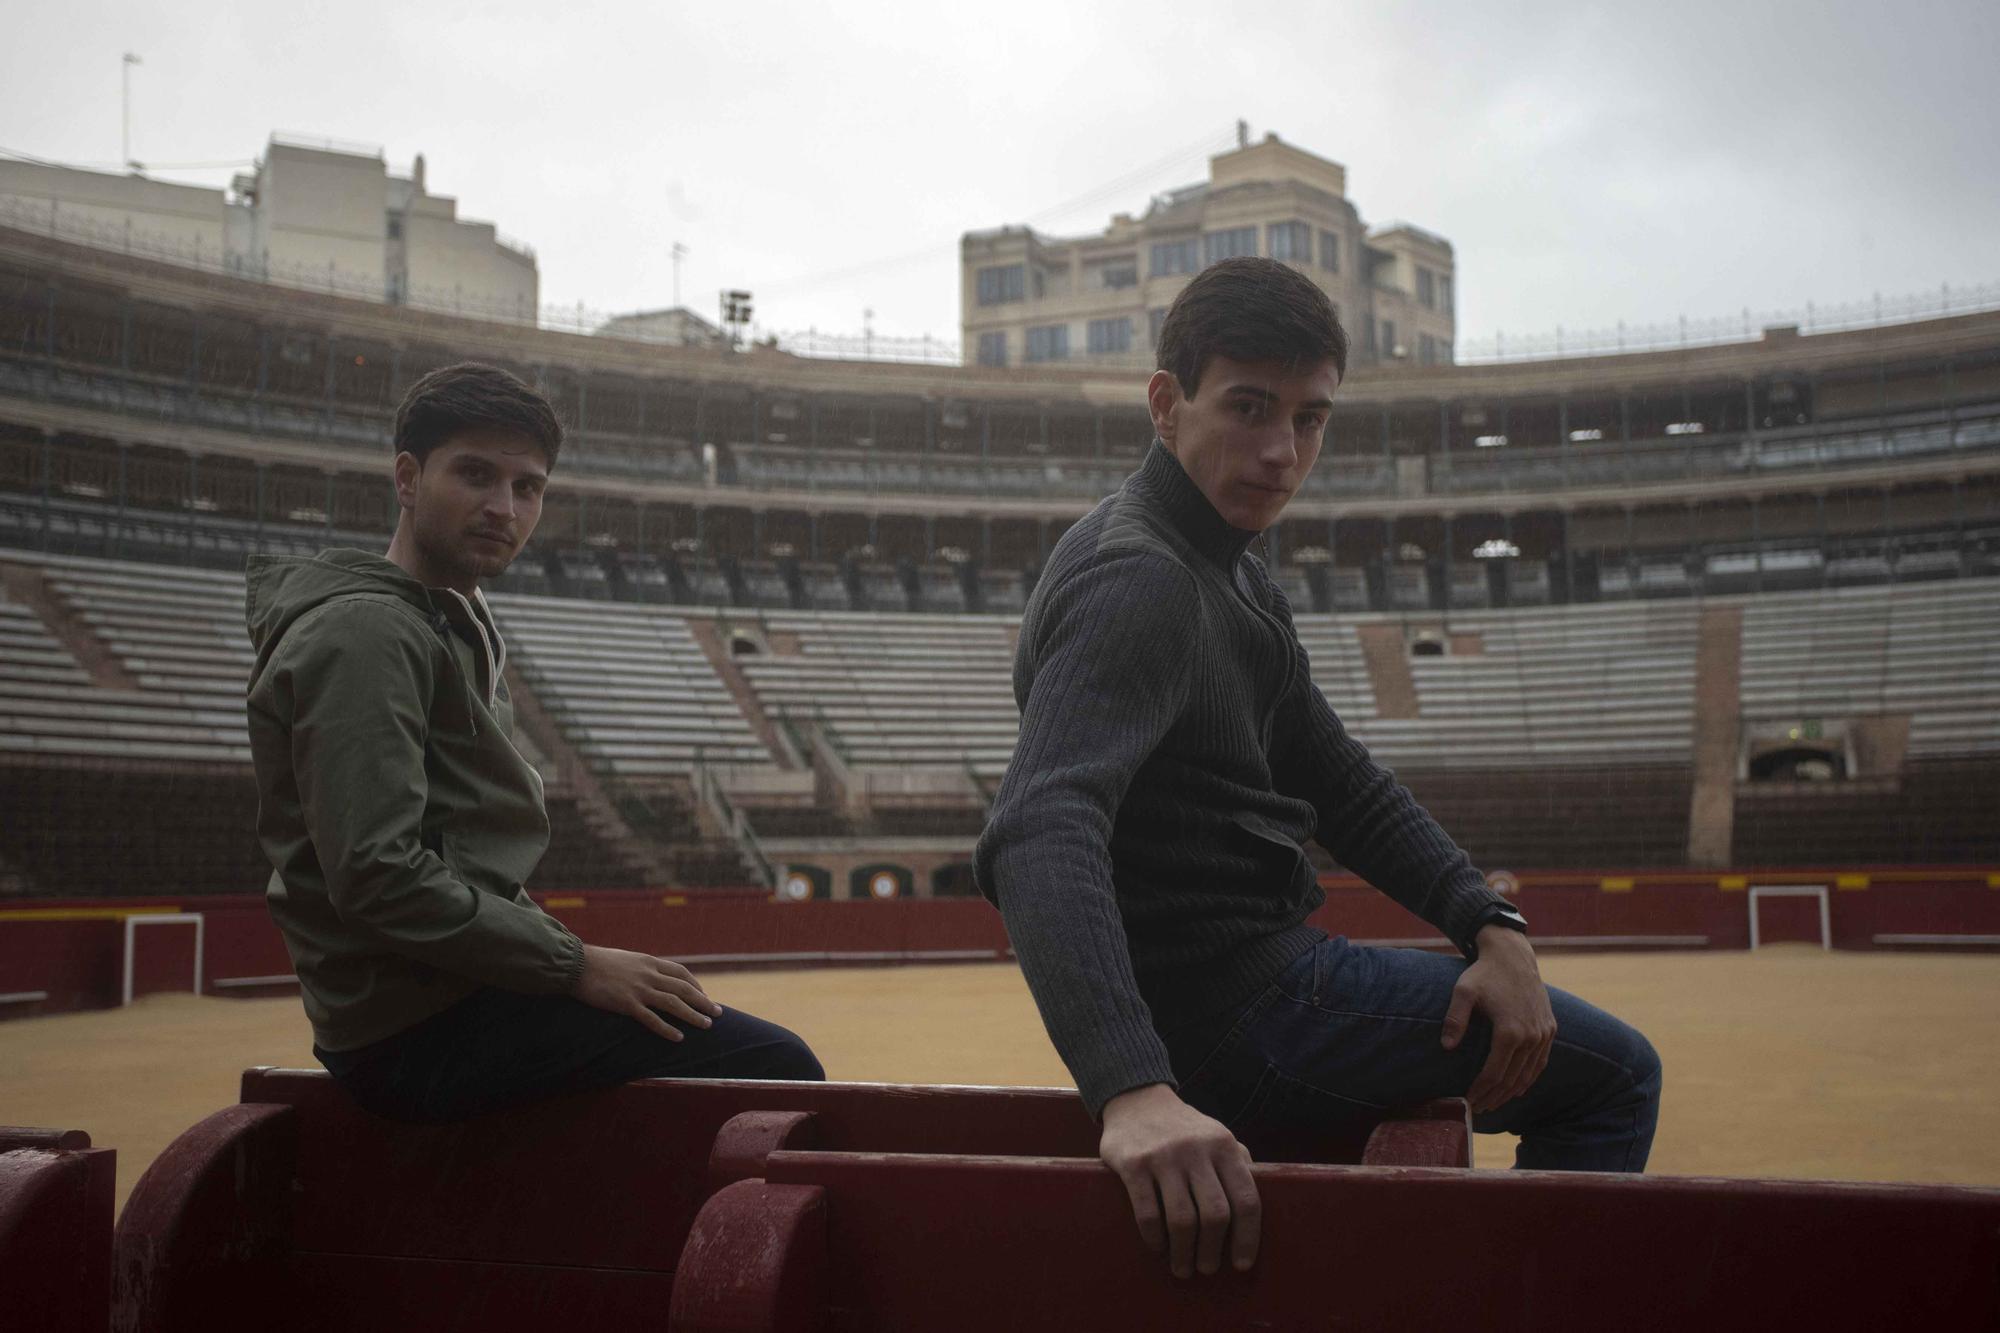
676, 326
1029, 299
310, 215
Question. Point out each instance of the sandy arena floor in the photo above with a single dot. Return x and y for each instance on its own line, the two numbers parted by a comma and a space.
1788, 1062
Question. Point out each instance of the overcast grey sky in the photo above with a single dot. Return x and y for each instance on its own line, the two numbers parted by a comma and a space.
1590, 164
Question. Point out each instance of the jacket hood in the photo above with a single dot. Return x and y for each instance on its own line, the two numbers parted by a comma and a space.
278, 589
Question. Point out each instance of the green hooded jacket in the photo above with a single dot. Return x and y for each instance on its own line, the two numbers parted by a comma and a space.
400, 821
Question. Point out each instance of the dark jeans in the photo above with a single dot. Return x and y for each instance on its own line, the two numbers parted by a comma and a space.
496, 1048
1349, 1030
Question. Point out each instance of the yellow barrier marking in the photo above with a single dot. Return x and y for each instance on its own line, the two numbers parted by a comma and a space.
564, 902
1733, 882
1615, 885
81, 913
1993, 881
675, 900
1850, 881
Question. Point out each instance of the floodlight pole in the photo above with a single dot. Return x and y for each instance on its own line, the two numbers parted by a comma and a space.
125, 78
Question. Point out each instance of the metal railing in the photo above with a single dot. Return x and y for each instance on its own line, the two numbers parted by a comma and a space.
733, 822
577, 317
767, 469
1745, 326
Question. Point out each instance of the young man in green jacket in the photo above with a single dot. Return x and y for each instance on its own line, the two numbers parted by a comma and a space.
402, 825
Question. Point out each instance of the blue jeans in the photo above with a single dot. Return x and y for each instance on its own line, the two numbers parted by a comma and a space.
498, 1048
1348, 1030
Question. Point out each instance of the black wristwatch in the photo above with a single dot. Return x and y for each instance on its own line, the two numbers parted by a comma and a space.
1495, 913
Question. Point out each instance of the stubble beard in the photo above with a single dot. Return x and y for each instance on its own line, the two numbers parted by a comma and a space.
463, 560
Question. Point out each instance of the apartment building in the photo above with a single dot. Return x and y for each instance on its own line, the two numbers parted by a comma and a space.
1030, 299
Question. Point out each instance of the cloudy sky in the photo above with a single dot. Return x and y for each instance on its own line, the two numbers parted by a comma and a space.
1619, 161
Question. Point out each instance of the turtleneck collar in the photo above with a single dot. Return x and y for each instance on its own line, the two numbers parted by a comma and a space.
1163, 478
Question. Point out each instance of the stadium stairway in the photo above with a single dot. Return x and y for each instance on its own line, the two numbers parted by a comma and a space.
639, 862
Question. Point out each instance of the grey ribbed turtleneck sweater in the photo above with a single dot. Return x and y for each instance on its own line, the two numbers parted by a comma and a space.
1145, 848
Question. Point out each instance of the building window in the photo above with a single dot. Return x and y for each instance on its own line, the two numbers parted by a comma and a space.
993, 349
395, 228
1174, 257
1444, 292
1388, 337
1426, 349
1118, 276
1329, 250
1049, 343
1154, 319
1444, 351
1426, 288
1290, 240
1105, 336
1008, 282
1234, 243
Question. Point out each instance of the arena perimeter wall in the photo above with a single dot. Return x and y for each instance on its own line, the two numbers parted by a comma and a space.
59, 954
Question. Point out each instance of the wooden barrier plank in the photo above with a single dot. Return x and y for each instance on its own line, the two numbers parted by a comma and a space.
1438, 1133
56, 1194
340, 1293
749, 1137
48, 1140
985, 1243
203, 1240
762, 1252
634, 1160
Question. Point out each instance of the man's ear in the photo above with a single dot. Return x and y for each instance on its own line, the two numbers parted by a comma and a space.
408, 470
1163, 398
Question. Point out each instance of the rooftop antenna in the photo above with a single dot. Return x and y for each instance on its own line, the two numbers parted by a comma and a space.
679, 253
126, 79
1242, 133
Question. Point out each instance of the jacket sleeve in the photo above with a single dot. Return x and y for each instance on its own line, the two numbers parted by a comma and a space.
360, 681
1111, 675
1370, 822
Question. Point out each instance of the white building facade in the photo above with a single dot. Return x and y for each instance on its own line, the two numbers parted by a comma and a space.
311, 215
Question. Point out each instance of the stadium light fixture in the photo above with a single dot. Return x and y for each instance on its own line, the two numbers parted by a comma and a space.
736, 310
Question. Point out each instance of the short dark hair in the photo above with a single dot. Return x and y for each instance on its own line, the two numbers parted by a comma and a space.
468, 396
1250, 310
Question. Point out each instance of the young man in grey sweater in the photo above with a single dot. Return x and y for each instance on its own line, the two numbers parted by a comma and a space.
1145, 846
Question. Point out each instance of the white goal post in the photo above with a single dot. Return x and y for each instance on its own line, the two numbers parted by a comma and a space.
138, 919
1760, 891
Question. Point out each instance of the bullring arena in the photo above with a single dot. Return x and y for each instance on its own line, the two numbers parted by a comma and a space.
1706, 660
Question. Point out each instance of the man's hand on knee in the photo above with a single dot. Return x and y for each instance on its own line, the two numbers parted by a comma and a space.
1505, 985
638, 984
1188, 1178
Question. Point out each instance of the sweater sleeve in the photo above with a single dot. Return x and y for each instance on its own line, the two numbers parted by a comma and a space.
1369, 821
1110, 675
359, 686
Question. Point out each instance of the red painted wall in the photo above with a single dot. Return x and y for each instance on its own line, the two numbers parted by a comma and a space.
73, 949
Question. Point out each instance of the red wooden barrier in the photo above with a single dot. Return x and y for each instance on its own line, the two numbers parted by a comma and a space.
1002, 1244
71, 950
555, 1214
56, 1195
